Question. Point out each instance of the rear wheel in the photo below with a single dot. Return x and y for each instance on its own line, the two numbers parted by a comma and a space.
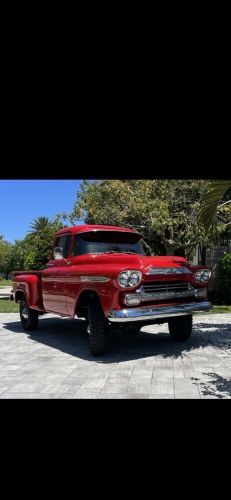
180, 328
97, 328
29, 317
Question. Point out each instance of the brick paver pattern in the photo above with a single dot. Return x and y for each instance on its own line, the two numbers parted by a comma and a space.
55, 362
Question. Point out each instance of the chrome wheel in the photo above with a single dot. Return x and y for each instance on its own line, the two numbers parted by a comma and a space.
29, 317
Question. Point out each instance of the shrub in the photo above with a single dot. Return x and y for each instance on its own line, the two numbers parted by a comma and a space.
225, 275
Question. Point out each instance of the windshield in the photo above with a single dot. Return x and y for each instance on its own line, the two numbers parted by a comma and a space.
108, 242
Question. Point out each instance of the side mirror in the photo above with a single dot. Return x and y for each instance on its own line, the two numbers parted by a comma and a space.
58, 253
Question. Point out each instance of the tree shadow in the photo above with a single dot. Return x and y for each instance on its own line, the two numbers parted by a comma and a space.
218, 386
70, 337
217, 334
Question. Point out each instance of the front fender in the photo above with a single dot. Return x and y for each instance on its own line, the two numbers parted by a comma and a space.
104, 293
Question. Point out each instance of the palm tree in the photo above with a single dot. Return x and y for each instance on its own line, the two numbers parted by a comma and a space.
39, 224
211, 201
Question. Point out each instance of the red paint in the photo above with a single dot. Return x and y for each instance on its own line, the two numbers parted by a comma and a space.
58, 288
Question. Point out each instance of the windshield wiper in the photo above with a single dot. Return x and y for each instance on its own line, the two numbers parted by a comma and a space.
133, 253
103, 253
115, 251
122, 251
112, 251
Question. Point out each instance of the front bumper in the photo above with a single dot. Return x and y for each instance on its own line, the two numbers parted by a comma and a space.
156, 312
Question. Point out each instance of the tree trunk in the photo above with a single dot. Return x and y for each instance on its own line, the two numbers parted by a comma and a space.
149, 249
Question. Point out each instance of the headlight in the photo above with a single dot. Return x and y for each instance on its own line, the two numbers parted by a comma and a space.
202, 275
206, 275
129, 278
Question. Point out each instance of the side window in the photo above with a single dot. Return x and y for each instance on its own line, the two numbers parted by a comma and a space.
64, 242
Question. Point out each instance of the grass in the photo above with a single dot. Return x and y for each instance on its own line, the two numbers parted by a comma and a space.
5, 282
8, 306
220, 309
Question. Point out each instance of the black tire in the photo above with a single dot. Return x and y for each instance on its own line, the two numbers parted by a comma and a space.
97, 328
180, 328
131, 329
29, 317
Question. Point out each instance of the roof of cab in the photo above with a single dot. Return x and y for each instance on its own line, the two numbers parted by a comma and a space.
83, 228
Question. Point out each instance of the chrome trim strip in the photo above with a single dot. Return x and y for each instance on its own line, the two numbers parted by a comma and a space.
151, 313
54, 279
168, 270
76, 279
93, 279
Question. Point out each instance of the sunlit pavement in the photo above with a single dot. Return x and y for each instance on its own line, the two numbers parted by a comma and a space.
5, 292
55, 361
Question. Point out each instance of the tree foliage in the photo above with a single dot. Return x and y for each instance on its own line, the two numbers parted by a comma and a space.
39, 225
34, 251
210, 210
5, 249
165, 211
38, 243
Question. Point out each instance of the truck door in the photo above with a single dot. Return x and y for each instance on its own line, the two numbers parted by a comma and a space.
54, 279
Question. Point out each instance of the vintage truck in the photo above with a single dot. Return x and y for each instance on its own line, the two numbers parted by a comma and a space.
101, 273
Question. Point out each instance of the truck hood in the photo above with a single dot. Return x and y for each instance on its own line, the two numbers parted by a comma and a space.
140, 262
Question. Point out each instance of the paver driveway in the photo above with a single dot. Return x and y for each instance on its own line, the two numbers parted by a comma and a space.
55, 362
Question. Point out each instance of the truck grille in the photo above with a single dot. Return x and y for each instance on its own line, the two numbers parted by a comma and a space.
165, 286
166, 290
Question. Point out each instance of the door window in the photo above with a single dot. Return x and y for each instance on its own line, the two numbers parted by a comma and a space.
64, 242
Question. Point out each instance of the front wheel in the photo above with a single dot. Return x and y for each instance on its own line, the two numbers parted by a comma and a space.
97, 328
131, 329
180, 328
28, 316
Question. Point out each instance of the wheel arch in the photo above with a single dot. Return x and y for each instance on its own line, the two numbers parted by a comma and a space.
83, 301
19, 294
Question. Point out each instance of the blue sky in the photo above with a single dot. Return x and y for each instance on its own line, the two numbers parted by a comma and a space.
23, 200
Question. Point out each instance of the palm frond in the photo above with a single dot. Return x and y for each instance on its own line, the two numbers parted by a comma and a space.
211, 202
39, 224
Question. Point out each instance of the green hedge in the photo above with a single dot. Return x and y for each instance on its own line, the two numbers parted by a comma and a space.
223, 294
225, 274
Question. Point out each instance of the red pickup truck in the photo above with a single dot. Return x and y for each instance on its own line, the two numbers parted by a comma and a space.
101, 273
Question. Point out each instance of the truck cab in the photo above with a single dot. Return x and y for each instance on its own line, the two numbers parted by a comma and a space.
101, 273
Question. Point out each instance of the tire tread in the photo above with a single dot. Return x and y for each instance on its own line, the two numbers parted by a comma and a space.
180, 328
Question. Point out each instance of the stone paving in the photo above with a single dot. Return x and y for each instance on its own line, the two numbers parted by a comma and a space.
55, 362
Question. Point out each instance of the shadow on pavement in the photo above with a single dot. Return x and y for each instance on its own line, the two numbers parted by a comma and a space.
70, 337
218, 386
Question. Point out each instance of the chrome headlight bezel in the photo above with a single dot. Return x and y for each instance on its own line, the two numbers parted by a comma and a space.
202, 275
130, 278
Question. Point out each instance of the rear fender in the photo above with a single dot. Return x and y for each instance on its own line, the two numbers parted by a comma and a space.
30, 286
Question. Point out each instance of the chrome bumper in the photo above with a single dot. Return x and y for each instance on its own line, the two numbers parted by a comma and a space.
156, 312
